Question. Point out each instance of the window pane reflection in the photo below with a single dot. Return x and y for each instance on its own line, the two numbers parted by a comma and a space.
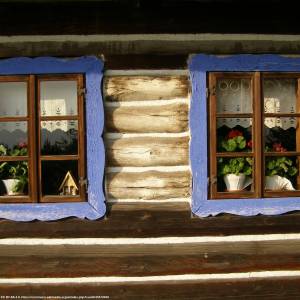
280, 95
60, 178
13, 178
234, 135
282, 173
59, 137
13, 99
234, 95
235, 174
58, 98
13, 137
280, 134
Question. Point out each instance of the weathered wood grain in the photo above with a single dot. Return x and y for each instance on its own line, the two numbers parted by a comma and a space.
134, 88
148, 260
148, 185
170, 118
148, 265
170, 219
147, 151
284, 288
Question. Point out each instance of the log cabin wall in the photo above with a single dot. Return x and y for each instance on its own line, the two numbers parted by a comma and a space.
147, 136
149, 246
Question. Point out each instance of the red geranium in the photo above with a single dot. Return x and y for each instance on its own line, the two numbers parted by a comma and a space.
277, 147
250, 144
22, 145
233, 133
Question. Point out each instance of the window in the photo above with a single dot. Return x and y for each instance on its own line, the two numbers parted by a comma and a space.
51, 150
42, 138
245, 138
254, 135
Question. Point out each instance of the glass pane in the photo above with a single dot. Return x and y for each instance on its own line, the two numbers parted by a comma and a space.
234, 174
59, 137
282, 173
280, 134
280, 95
13, 138
234, 95
234, 134
58, 98
60, 178
13, 178
13, 99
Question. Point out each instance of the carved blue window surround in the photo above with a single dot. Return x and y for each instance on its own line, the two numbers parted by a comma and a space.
94, 208
199, 65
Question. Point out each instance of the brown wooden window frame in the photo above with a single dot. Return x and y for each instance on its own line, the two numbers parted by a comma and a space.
34, 156
258, 115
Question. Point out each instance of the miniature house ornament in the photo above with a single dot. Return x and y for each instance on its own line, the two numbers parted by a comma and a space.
68, 186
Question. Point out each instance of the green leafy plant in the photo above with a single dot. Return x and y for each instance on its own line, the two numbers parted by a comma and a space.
279, 165
15, 170
238, 165
234, 144
235, 141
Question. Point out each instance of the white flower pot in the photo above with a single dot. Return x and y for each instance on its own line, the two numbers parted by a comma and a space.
237, 182
9, 185
278, 183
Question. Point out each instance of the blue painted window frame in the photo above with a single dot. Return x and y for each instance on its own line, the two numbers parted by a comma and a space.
199, 66
94, 207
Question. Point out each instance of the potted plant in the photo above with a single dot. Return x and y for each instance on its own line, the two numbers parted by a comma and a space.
14, 175
279, 170
235, 171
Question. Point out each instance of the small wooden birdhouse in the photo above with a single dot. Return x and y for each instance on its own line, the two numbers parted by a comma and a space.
68, 186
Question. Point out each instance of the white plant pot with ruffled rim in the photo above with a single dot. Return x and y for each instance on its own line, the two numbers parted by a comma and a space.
236, 182
9, 185
278, 183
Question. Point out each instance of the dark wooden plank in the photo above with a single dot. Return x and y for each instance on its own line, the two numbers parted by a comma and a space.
136, 220
147, 260
147, 61
91, 17
70, 48
267, 288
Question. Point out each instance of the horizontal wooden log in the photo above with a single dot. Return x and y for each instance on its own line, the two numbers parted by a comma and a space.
171, 118
284, 288
136, 220
148, 185
208, 250
219, 45
134, 88
148, 260
147, 151
55, 267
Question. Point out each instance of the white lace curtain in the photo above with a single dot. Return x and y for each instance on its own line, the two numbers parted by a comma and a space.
235, 96
58, 98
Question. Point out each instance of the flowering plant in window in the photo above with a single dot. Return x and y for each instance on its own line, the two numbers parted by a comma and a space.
235, 171
14, 174
279, 170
